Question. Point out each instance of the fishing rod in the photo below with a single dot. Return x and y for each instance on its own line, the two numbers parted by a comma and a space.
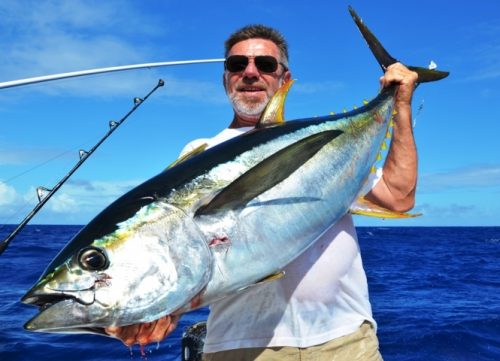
45, 194
73, 74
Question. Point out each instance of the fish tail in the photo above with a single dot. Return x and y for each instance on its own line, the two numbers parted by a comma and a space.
385, 59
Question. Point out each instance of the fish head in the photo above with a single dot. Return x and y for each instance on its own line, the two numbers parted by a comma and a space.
150, 266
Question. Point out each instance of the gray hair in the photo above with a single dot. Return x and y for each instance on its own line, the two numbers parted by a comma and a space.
258, 31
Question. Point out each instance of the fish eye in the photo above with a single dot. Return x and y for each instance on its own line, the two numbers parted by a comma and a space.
93, 259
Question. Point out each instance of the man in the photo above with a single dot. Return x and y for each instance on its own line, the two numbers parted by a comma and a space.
320, 309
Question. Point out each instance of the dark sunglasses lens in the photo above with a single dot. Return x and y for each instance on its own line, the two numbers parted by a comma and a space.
267, 64
236, 63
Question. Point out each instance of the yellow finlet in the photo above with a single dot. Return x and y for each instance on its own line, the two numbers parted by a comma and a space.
364, 207
384, 145
365, 101
188, 155
379, 156
275, 110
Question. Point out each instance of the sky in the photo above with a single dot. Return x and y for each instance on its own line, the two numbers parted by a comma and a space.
43, 126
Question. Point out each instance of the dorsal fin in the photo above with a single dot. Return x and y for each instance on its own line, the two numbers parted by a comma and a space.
275, 108
267, 173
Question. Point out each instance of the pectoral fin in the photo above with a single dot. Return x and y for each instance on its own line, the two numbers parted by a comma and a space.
364, 207
268, 173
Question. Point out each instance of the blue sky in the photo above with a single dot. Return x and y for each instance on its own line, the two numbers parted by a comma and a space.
43, 126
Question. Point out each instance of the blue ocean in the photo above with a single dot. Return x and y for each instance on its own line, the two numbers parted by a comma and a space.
435, 293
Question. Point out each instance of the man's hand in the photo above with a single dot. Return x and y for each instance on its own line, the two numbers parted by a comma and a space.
145, 333
406, 79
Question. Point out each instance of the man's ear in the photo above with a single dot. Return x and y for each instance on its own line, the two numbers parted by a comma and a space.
224, 81
287, 76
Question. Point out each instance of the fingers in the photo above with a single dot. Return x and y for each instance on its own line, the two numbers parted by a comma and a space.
406, 79
143, 337
400, 74
127, 334
157, 331
145, 333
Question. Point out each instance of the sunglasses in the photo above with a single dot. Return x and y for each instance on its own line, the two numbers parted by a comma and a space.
264, 63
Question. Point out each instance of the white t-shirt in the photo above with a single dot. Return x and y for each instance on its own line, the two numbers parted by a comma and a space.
324, 294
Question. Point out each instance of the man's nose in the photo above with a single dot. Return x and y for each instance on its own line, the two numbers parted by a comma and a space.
251, 70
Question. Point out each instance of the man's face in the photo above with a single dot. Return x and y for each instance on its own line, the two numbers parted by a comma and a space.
249, 90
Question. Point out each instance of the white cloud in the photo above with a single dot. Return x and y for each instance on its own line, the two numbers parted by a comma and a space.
63, 203
34, 18
77, 201
89, 196
58, 36
43, 14
477, 176
7, 194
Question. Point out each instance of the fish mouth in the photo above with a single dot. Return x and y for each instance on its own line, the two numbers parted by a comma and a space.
44, 297
44, 301
61, 312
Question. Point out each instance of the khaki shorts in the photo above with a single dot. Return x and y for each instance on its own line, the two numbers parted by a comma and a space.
360, 345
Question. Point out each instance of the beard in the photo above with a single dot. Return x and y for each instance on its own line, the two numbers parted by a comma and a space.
248, 108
